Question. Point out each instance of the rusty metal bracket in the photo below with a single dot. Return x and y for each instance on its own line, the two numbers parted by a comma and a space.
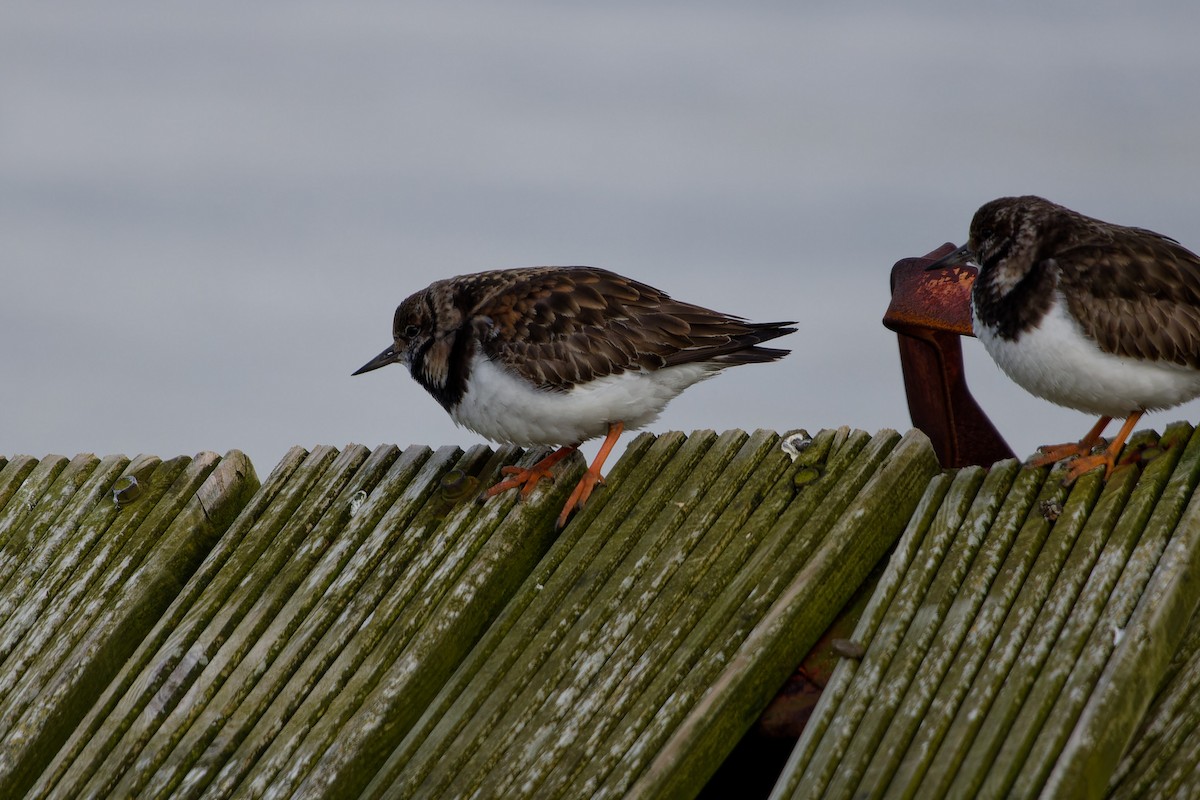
929, 312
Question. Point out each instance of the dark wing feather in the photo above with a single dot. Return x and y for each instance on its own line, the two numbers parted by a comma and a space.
1137, 294
559, 326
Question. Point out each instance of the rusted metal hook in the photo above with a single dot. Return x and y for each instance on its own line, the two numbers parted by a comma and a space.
929, 311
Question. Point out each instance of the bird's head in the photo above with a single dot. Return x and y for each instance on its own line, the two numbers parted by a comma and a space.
424, 332
412, 334
1003, 239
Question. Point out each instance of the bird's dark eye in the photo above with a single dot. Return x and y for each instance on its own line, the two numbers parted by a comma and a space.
411, 331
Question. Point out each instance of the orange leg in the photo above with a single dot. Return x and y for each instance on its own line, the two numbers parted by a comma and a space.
528, 477
1108, 458
583, 490
1053, 453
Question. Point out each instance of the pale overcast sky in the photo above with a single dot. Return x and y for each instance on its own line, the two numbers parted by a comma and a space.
208, 212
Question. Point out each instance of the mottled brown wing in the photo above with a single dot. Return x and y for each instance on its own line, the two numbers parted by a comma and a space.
559, 326
1137, 294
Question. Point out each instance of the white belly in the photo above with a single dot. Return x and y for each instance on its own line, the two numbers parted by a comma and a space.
504, 408
1059, 363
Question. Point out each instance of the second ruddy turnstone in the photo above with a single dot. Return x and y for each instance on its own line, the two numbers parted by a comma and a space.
1093, 316
561, 355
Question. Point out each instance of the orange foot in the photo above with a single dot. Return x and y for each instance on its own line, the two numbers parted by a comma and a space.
1087, 461
1053, 453
527, 477
583, 490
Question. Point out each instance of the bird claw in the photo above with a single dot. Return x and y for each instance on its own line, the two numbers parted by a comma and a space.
527, 478
1053, 453
583, 490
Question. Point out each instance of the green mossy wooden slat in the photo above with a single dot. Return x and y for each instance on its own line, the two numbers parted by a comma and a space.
810, 598
975, 756
36, 509
157, 671
31, 588
581, 705
13, 473
965, 694
1149, 613
180, 529
1161, 737
71, 613
252, 646
266, 667
942, 491
1169, 766
497, 545
23, 502
1087, 639
695, 559
777, 542
286, 694
748, 520
115, 556
670, 517
419, 518
389, 564
988, 598
1003, 500
553, 726
520, 693
472, 701
772, 546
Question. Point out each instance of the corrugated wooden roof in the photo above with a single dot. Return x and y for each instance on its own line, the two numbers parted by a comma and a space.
363, 624
360, 626
1017, 639
86, 578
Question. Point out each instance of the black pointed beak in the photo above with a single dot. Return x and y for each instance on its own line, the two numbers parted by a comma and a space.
960, 256
389, 356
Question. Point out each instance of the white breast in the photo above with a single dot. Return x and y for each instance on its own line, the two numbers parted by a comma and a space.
505, 408
1058, 362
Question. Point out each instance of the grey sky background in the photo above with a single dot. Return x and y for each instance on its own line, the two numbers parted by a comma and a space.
208, 212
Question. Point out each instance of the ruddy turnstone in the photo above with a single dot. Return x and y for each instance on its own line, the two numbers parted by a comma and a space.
560, 355
1093, 316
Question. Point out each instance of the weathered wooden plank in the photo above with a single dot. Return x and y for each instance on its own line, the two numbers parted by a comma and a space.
859, 536
1049, 713
157, 674
763, 559
960, 706
581, 704
693, 559
495, 547
281, 601
412, 529
1152, 605
293, 691
636, 524
1154, 753
181, 528
61, 545
754, 516
12, 476
971, 623
89, 589
1001, 504
943, 492
44, 495
389, 562
971, 630
474, 698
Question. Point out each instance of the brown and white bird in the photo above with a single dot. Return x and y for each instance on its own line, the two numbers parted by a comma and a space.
561, 355
1093, 316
